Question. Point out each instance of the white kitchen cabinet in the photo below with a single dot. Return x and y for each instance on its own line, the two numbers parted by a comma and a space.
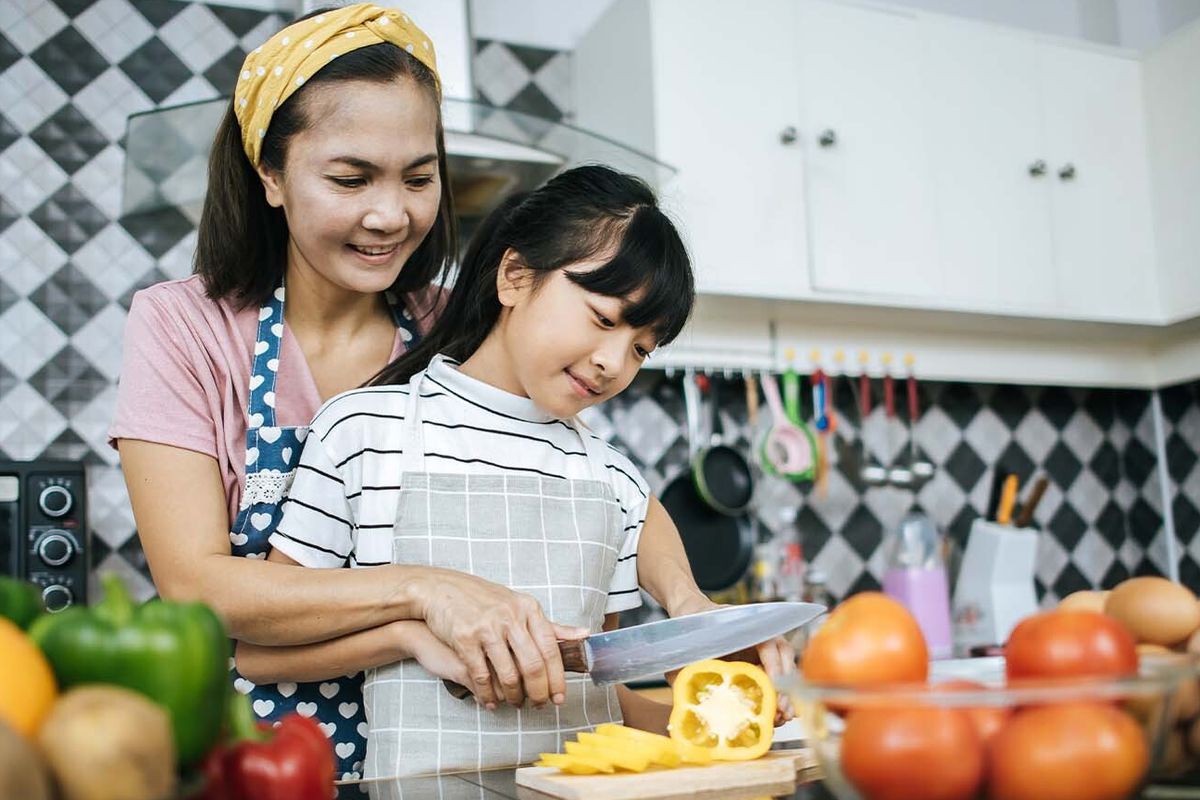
936, 163
709, 88
1095, 143
1173, 120
993, 207
866, 146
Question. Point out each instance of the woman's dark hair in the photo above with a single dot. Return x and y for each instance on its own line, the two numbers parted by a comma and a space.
581, 214
241, 249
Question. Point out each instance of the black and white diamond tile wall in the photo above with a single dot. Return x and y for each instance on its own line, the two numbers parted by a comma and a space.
71, 73
1101, 514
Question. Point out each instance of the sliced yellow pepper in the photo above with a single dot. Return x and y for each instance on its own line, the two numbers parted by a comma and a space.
574, 764
618, 757
727, 707
688, 752
663, 754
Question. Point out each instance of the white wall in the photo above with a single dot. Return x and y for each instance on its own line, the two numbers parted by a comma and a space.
553, 24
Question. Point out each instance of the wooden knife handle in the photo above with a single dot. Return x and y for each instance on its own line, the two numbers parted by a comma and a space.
574, 659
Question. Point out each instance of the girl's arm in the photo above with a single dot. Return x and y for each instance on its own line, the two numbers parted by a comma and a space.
663, 568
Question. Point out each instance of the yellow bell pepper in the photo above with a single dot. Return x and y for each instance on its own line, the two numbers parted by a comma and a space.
727, 707
663, 755
618, 757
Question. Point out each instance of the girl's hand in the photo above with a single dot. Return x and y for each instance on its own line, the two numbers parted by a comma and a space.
499, 635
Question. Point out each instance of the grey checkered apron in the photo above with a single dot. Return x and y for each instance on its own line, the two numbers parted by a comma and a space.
553, 538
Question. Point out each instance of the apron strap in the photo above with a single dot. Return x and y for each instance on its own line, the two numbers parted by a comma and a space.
595, 448
265, 367
413, 458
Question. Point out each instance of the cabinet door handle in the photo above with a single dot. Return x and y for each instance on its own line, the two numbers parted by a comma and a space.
1038, 168
788, 135
1067, 173
827, 138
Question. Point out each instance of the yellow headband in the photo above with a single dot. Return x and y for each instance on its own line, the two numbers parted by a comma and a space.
274, 71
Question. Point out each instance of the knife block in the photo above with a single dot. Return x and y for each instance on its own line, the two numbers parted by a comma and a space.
995, 584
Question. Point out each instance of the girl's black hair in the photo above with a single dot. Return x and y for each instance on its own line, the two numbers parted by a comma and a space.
241, 248
581, 214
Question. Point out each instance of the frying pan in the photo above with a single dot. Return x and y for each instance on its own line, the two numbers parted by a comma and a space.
722, 474
718, 546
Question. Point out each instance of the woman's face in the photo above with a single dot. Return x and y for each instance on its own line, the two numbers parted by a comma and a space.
360, 187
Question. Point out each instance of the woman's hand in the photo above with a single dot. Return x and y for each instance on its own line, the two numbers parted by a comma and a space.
494, 630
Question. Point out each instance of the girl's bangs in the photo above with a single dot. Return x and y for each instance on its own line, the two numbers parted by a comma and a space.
651, 258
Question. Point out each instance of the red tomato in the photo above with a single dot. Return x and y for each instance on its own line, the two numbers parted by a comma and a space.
868, 639
988, 720
912, 753
1075, 751
1070, 644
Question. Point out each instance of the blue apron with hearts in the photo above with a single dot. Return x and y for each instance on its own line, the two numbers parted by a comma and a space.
272, 453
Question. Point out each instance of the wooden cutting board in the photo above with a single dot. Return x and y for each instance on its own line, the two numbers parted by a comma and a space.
773, 774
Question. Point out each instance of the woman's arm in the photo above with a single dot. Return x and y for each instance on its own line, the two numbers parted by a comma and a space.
181, 512
355, 652
180, 509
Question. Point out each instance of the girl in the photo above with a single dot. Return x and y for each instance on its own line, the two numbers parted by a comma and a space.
328, 175
478, 462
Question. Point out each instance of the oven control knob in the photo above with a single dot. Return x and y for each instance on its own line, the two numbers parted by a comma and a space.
55, 549
55, 501
56, 597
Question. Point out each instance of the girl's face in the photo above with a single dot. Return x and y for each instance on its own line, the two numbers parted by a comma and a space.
360, 188
568, 348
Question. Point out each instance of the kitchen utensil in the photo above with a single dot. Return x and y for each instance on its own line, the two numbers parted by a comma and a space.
995, 588
718, 546
918, 471
1008, 498
821, 421
791, 391
788, 450
721, 472
1031, 503
823, 714
896, 475
642, 651
752, 400
871, 474
772, 775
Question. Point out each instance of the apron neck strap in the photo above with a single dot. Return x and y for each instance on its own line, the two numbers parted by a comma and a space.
265, 367
594, 447
413, 458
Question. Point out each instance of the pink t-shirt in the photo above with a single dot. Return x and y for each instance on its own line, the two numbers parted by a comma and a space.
185, 375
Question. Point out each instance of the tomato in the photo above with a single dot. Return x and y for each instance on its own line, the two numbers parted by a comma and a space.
1075, 751
988, 720
869, 639
912, 753
1069, 644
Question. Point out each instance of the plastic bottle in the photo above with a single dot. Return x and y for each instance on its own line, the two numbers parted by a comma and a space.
916, 577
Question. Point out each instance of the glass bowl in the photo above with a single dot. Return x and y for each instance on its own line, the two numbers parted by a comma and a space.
966, 734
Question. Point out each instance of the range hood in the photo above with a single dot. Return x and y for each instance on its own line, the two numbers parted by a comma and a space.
491, 151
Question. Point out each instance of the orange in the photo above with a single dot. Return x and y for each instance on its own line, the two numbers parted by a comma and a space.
27, 687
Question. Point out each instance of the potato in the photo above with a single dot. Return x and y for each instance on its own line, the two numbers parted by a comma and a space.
1084, 601
1194, 739
1155, 610
22, 773
1186, 703
1175, 760
1193, 643
109, 743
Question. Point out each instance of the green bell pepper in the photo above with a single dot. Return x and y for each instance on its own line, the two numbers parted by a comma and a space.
177, 654
20, 601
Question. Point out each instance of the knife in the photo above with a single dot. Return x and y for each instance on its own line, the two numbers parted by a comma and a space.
642, 651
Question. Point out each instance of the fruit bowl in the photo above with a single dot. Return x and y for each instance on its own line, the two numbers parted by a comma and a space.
966, 734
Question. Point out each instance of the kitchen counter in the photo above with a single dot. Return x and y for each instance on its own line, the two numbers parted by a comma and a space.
501, 784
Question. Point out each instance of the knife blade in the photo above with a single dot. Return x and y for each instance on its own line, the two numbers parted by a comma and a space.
642, 651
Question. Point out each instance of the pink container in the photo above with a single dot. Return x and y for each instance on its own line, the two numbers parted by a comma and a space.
924, 592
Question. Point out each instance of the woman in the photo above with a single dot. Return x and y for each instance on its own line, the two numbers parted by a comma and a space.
327, 176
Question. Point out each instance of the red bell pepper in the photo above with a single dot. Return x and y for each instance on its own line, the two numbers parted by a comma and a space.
291, 761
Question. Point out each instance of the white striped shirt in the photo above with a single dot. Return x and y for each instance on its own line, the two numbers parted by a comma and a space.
355, 446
